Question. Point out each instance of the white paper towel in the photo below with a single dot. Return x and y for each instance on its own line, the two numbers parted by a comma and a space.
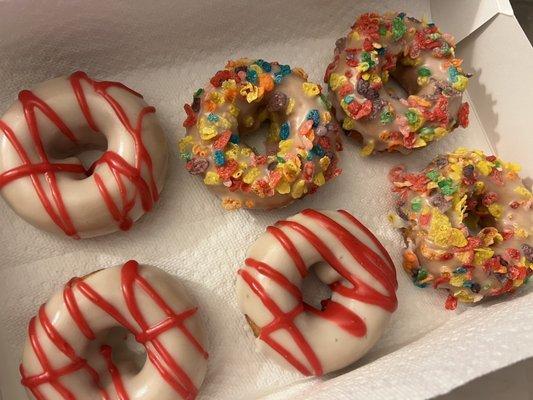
166, 50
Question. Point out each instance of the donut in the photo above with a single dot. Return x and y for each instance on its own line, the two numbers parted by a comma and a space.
420, 59
344, 255
467, 220
68, 355
300, 147
44, 181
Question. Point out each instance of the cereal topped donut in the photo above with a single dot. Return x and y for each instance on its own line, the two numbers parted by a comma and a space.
468, 223
300, 148
420, 59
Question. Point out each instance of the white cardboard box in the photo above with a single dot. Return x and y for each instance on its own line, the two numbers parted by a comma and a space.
38, 41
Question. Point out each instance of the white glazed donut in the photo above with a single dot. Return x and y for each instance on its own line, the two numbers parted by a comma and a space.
346, 256
67, 354
46, 184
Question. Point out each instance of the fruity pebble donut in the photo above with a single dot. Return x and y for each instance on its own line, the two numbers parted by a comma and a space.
420, 59
468, 224
300, 148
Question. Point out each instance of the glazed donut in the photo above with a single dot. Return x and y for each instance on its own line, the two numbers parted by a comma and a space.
347, 257
68, 356
301, 145
44, 181
422, 61
467, 220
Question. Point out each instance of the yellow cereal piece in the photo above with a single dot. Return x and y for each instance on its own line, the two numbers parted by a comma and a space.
285, 146
237, 174
442, 233
458, 280
283, 187
207, 132
217, 98
324, 163
457, 238
465, 256
337, 80
354, 35
326, 117
463, 296
229, 84
246, 151
518, 282
184, 143
273, 132
461, 151
375, 78
310, 89
223, 124
251, 175
256, 68
440, 132
419, 100
522, 191
484, 167
249, 121
482, 254
212, 178
479, 187
290, 170
319, 179
461, 83
232, 152
349, 124
368, 148
298, 189
385, 76
521, 233
460, 206
290, 106
251, 92
411, 62
422, 80
234, 110
419, 142
362, 67
513, 167
496, 210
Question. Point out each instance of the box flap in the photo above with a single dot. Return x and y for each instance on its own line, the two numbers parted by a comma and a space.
464, 17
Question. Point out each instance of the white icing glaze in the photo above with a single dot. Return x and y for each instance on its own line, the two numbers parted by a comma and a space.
54, 191
342, 253
61, 359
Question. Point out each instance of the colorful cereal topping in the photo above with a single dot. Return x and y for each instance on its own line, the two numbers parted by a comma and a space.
467, 219
301, 151
383, 46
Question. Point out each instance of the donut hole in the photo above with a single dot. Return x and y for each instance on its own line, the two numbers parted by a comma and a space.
87, 153
395, 89
256, 139
314, 290
127, 354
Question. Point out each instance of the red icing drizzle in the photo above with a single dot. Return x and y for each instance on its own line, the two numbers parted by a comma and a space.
148, 336
379, 266
53, 203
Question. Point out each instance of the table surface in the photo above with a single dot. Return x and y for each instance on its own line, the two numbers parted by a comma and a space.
516, 381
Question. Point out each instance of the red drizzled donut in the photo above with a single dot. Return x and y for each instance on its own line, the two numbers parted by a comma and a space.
145, 301
49, 188
347, 257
